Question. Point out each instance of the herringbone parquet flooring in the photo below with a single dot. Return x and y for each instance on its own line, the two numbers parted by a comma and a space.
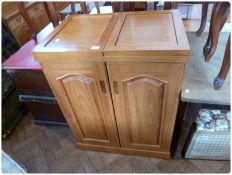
52, 149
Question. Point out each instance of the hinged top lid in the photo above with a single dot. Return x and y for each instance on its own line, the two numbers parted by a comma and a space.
78, 36
150, 33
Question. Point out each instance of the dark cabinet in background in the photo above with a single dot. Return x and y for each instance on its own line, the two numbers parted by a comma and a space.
34, 90
12, 108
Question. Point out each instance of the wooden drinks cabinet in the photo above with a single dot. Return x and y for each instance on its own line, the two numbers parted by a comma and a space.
117, 78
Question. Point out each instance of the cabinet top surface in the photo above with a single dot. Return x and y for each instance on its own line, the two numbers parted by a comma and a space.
148, 33
80, 34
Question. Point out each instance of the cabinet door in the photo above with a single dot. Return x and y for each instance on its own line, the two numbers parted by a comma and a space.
82, 91
145, 97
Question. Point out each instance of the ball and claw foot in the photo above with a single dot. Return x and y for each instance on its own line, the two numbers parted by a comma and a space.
218, 83
206, 49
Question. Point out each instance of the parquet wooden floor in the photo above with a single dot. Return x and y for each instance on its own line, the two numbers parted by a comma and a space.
52, 149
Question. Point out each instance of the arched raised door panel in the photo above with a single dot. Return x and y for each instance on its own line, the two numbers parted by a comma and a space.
144, 98
84, 98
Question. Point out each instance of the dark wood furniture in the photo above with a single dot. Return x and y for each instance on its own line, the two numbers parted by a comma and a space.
12, 108
197, 92
34, 90
174, 5
38, 14
220, 79
26, 73
77, 7
129, 6
17, 24
219, 16
204, 11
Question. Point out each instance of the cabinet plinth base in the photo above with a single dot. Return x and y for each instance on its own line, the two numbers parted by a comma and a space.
156, 154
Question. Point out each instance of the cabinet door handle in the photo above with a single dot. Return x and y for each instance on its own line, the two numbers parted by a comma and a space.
103, 87
115, 85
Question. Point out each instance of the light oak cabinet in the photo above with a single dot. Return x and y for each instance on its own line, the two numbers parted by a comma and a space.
83, 92
117, 79
145, 99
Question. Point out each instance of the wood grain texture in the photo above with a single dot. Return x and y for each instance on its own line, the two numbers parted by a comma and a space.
145, 84
87, 110
159, 33
36, 16
79, 37
146, 103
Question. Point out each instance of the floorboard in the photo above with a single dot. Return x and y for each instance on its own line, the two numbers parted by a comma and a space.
52, 149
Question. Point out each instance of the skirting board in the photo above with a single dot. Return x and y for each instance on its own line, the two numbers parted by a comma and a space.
155, 154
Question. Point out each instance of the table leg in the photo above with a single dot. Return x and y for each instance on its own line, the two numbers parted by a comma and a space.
219, 16
204, 12
190, 113
219, 80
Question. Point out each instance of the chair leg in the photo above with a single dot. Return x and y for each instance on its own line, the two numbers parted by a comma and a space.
219, 80
205, 6
207, 45
218, 19
52, 13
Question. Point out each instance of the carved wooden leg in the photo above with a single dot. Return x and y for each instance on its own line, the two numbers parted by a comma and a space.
207, 45
219, 80
190, 113
203, 18
23, 12
218, 19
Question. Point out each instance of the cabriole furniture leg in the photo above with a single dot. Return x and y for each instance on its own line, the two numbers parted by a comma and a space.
219, 16
205, 6
219, 80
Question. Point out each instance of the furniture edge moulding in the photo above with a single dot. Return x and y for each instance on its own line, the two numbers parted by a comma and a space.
148, 59
127, 151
